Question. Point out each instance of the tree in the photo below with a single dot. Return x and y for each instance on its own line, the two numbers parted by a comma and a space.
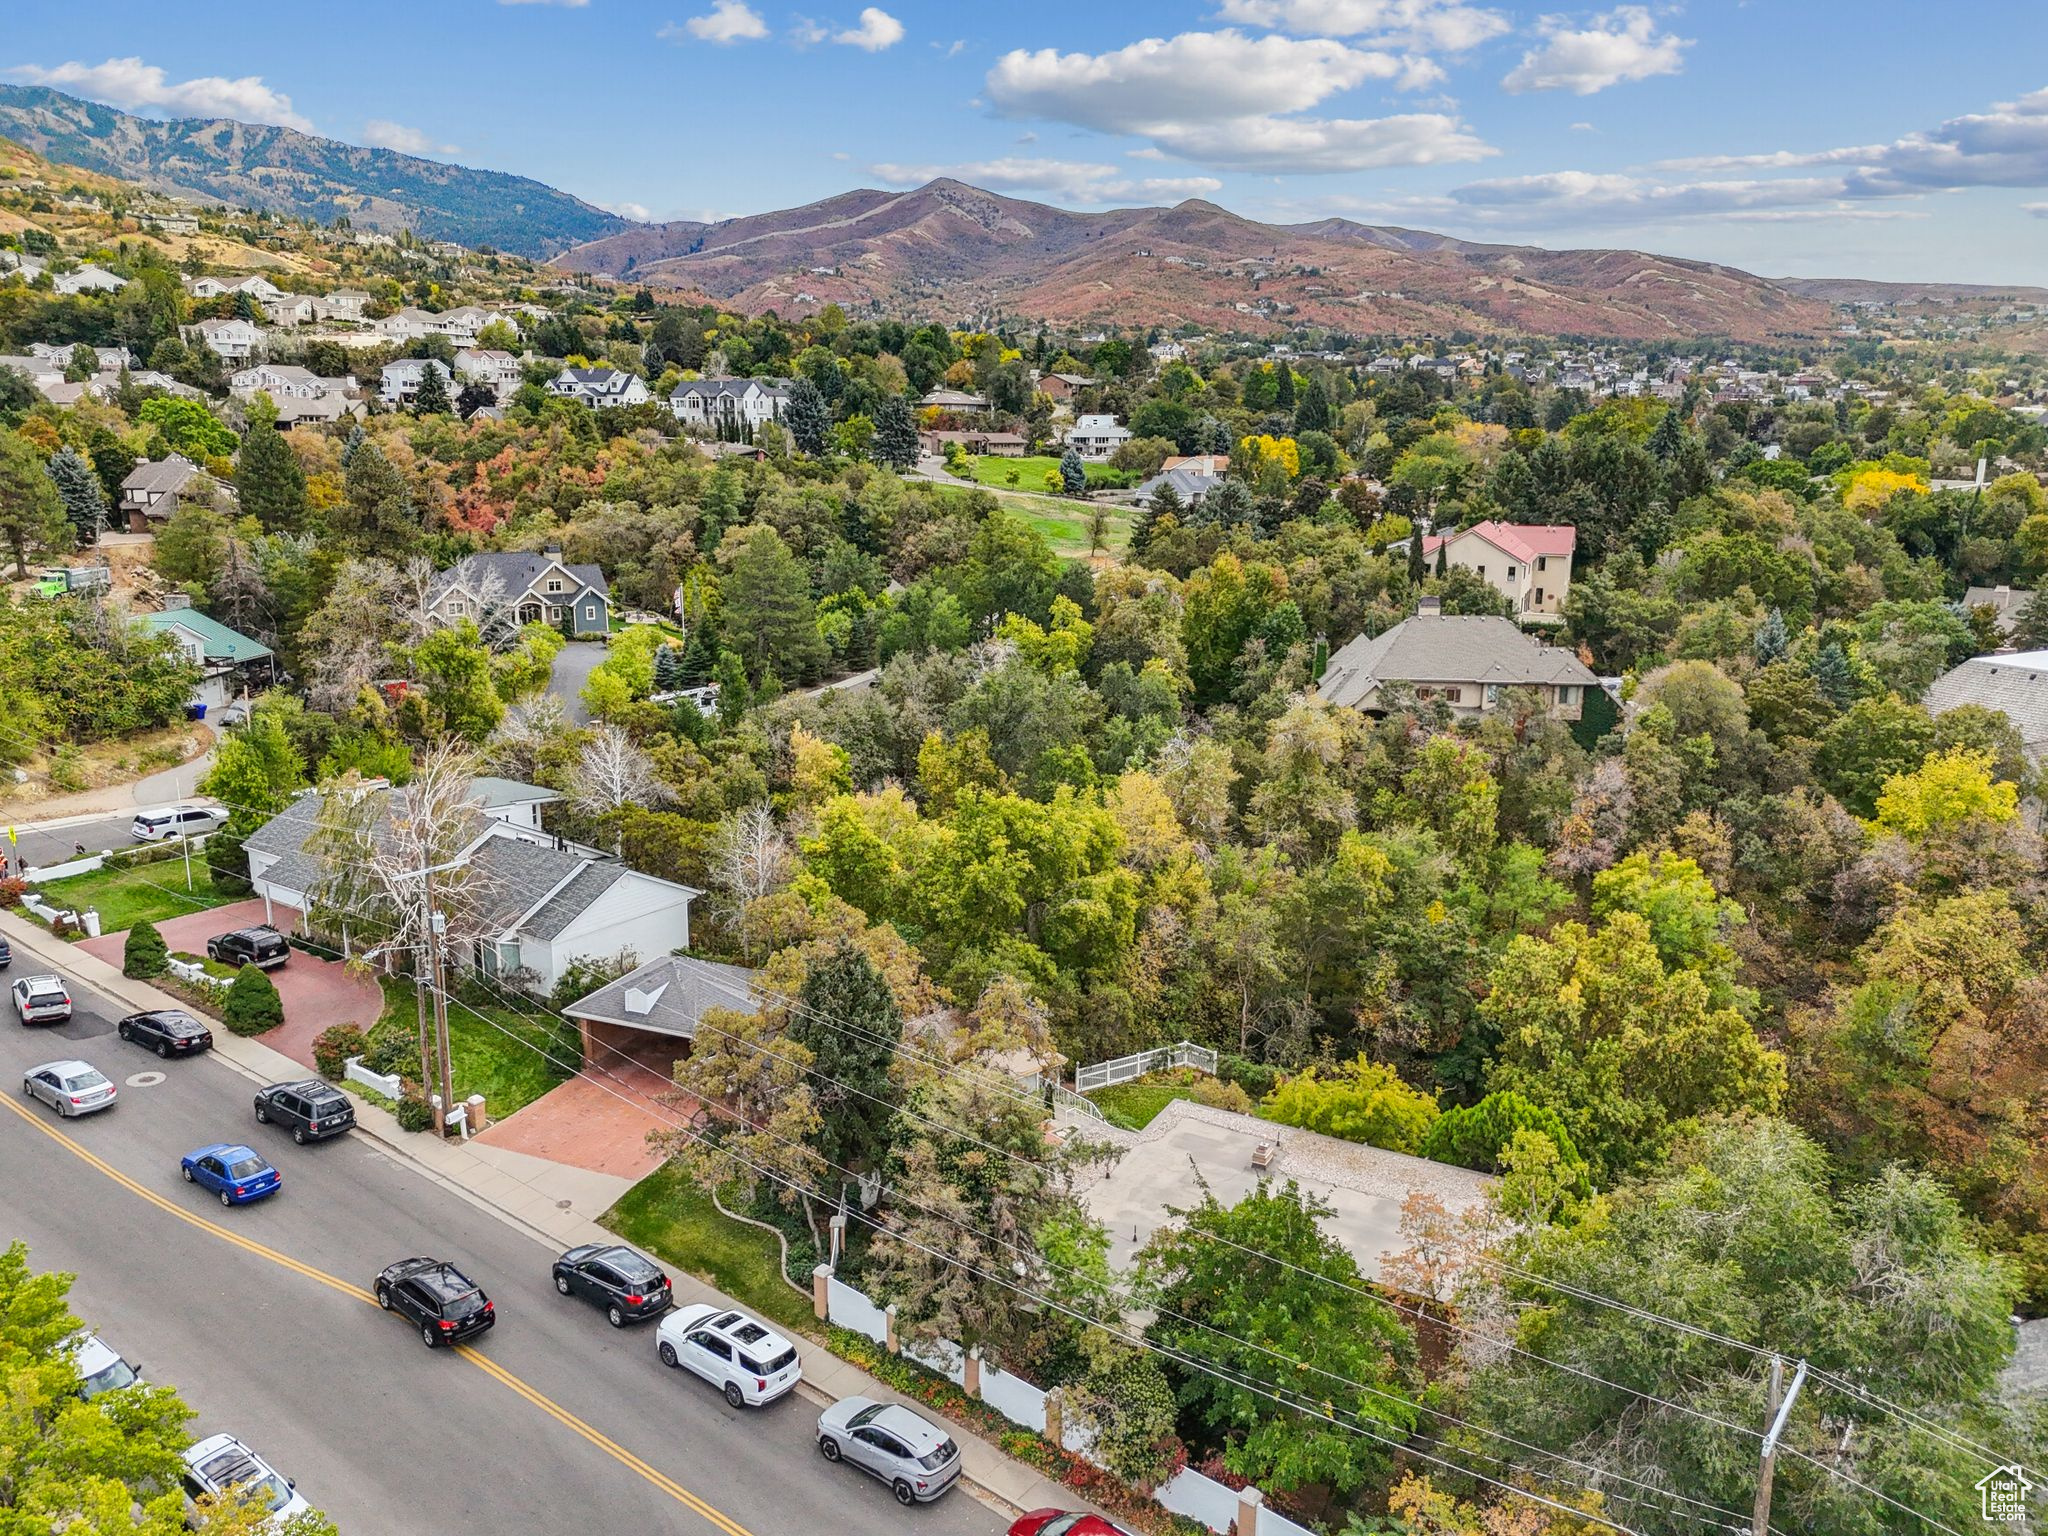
453, 667
808, 418
849, 1020
2030, 624
252, 1004
750, 859
31, 513
188, 426
1872, 741
1073, 473
767, 615
1741, 1231
612, 773
376, 511
1360, 1100
1945, 792
83, 498
431, 398
257, 769
895, 442
1773, 639
144, 954
269, 483
1475, 1135
1261, 1292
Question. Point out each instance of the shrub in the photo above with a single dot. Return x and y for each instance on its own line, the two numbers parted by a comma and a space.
12, 889
1219, 1095
227, 863
252, 1004
145, 954
1254, 1077
1360, 1100
333, 1048
1472, 1136
393, 1048
414, 1112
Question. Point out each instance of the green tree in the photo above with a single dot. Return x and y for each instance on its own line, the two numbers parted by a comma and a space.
188, 426
1871, 742
767, 614
453, 665
1475, 1135
1261, 1292
848, 1019
432, 398
376, 511
144, 954
269, 483
257, 769
1359, 1100
895, 441
1073, 473
252, 1004
808, 418
32, 517
226, 862
83, 499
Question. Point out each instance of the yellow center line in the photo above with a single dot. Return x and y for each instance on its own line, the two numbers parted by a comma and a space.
491, 1368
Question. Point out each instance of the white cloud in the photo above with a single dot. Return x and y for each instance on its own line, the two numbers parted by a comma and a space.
951, 50
728, 21
877, 30
1441, 24
2038, 210
1584, 128
637, 212
1071, 181
1222, 98
138, 87
1622, 45
382, 133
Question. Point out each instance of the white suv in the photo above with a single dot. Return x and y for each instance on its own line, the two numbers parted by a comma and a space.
750, 1362
42, 1000
176, 821
221, 1468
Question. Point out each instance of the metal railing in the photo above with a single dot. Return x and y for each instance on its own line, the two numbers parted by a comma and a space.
1129, 1068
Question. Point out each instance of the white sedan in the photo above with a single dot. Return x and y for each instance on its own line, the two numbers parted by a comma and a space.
69, 1087
747, 1360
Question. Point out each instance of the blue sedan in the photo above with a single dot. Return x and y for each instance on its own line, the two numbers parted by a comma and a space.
235, 1173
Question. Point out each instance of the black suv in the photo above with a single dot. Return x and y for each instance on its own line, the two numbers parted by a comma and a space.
617, 1279
167, 1031
314, 1110
446, 1304
261, 947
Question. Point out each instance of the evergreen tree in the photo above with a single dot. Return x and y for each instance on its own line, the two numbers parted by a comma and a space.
252, 1004
848, 1018
31, 517
268, 480
1443, 559
1773, 640
1228, 503
1283, 388
78, 488
376, 509
1165, 502
700, 656
1314, 413
354, 441
1670, 433
112, 460
144, 954
1073, 473
432, 398
2030, 624
1833, 675
1416, 567
767, 608
808, 418
668, 669
895, 433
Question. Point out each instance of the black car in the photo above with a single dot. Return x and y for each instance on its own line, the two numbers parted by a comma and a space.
6, 954
261, 947
627, 1286
444, 1303
312, 1109
167, 1031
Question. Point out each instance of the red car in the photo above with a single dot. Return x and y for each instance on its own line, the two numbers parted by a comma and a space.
1064, 1522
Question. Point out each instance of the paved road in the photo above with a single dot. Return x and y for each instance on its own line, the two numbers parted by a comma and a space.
572, 668
53, 845
588, 1431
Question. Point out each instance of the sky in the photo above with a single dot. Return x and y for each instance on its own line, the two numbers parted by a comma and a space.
1787, 137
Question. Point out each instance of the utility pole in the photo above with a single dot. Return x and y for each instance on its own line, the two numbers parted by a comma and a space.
1780, 1410
440, 1008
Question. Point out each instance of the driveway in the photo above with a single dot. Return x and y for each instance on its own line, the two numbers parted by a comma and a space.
572, 668
598, 1121
316, 993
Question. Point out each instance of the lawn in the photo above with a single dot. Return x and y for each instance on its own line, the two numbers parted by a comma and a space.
1031, 472
1067, 532
497, 1049
1132, 1106
125, 897
668, 1216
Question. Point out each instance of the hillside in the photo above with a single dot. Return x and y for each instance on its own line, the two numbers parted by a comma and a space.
1858, 290
285, 171
949, 250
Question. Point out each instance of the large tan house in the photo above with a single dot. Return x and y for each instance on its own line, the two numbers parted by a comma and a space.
1464, 661
1530, 564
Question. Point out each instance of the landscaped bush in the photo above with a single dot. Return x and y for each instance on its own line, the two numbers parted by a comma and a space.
334, 1046
1360, 1100
415, 1113
145, 955
230, 865
252, 1004
393, 1048
1472, 1136
1254, 1077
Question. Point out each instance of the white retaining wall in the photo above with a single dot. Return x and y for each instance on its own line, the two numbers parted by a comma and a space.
387, 1084
1203, 1498
848, 1308
1013, 1397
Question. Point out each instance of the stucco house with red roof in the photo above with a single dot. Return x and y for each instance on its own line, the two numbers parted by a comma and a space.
1529, 563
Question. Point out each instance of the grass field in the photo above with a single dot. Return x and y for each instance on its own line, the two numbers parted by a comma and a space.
125, 897
1031, 472
498, 1055
669, 1217
1133, 1106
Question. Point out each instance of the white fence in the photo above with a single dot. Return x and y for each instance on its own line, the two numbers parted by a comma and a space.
1013, 1397
1272, 1524
1201, 1498
39, 872
1129, 1068
194, 974
941, 1356
385, 1083
850, 1309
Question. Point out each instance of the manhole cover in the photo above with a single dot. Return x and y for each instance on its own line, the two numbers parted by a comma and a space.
145, 1079
562, 1205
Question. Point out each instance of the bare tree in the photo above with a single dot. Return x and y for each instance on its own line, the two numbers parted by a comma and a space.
347, 636
610, 774
481, 589
750, 859
531, 738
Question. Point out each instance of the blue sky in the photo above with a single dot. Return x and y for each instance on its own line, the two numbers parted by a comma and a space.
1802, 137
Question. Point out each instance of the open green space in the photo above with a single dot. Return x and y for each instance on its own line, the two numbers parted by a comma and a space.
669, 1217
1132, 1106
1031, 471
149, 892
500, 1051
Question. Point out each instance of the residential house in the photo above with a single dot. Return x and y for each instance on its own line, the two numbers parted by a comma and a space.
486, 365
650, 1014
408, 324
600, 388
19, 263
206, 287
105, 359
461, 325
234, 340
152, 489
2015, 683
733, 405
1097, 437
105, 386
1000, 445
2005, 604
342, 304
1062, 387
282, 381
1191, 479
41, 372
291, 309
400, 379
524, 587
89, 279
1530, 564
257, 287
231, 664
953, 400
542, 903
1464, 661
170, 223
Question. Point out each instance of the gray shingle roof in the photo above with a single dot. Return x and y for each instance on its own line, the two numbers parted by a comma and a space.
163, 475
712, 389
1437, 648
2015, 683
517, 570
668, 994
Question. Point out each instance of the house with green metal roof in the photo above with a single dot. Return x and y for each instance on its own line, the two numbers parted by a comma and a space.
230, 663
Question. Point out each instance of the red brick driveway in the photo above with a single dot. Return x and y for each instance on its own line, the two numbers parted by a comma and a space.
597, 1121
316, 993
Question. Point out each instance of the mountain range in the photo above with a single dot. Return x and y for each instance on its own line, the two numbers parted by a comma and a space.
285, 171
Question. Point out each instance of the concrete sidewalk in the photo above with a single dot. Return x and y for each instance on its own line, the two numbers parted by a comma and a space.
556, 1205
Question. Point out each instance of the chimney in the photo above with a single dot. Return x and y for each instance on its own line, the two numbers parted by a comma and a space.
1429, 607
552, 551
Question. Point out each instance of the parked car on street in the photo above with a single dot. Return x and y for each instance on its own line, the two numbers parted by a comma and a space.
42, 1000
748, 1361
311, 1109
6, 954
71, 1088
263, 947
236, 1173
100, 1367
917, 1459
176, 821
627, 1286
167, 1031
437, 1298
221, 1468
1064, 1522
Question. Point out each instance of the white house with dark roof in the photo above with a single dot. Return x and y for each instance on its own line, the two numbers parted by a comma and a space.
600, 388
484, 365
1097, 437
282, 381
543, 903
654, 1008
400, 379
1465, 661
342, 304
522, 587
89, 279
737, 404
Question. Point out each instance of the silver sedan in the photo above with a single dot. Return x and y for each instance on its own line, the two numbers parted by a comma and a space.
69, 1087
